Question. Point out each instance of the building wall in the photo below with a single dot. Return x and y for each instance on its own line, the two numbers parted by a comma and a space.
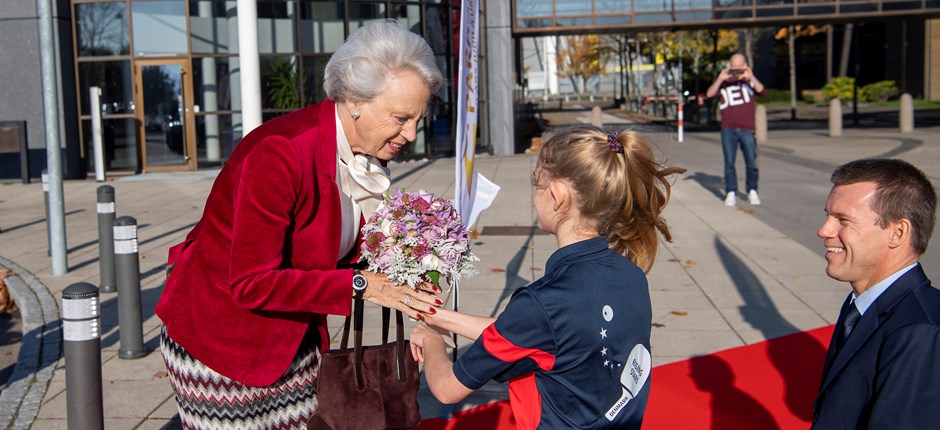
21, 90
932, 60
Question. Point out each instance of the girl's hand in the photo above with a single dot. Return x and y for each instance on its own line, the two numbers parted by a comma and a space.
420, 338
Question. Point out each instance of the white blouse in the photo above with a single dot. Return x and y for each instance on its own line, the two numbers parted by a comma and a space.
362, 181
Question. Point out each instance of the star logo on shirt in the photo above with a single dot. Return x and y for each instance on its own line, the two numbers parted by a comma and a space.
604, 351
603, 333
606, 363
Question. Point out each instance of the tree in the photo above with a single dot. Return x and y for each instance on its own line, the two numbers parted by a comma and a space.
791, 33
581, 58
620, 48
694, 47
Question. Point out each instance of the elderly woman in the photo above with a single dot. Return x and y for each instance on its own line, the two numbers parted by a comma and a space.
248, 291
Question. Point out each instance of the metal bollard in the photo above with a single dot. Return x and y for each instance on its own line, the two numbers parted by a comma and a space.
45, 201
127, 271
82, 346
106, 239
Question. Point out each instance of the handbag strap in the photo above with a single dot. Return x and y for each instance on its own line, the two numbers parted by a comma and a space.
344, 343
400, 347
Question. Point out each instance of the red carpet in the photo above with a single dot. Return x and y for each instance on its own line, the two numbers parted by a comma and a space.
496, 415
767, 385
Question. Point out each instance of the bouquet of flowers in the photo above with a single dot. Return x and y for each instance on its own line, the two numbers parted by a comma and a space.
414, 236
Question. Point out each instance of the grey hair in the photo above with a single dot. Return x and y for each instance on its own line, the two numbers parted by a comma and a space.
360, 68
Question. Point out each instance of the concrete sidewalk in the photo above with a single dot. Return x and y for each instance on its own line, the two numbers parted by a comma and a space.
729, 277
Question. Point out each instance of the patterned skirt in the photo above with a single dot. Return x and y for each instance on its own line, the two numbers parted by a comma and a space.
208, 400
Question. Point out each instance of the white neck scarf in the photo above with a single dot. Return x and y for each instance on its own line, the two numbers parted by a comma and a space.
362, 180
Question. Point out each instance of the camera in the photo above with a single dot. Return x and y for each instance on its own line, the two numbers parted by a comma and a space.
735, 72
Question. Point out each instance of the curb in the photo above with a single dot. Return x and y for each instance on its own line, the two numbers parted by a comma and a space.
40, 349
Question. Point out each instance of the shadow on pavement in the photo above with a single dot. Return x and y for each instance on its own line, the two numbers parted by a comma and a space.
712, 183
173, 424
109, 315
761, 313
513, 280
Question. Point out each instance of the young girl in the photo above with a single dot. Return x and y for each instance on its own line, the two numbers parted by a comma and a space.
574, 345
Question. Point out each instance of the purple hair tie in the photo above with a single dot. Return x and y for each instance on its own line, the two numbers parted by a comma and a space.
614, 143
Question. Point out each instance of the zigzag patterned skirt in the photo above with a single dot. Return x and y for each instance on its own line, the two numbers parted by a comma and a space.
208, 400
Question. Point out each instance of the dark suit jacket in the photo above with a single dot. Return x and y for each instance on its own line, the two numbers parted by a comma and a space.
887, 375
261, 265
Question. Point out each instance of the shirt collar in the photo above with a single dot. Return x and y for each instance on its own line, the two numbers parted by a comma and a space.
367, 180
574, 250
864, 301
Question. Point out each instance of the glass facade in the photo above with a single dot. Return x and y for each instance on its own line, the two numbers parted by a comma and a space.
553, 17
200, 38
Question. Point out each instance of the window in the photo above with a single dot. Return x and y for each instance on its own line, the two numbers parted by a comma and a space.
101, 29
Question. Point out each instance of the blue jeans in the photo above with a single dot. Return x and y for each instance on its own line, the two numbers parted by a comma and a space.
731, 138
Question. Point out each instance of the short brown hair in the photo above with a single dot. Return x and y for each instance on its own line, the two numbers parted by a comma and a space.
902, 191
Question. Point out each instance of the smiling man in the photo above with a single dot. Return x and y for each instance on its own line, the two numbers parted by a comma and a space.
883, 364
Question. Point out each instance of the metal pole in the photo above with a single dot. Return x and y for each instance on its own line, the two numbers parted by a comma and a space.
680, 117
45, 201
95, 100
106, 239
249, 64
855, 78
128, 287
51, 117
82, 346
791, 49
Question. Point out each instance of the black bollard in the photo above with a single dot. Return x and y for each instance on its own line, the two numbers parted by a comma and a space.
45, 201
106, 239
82, 346
127, 271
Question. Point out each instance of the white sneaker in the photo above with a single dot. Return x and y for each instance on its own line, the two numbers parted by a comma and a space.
752, 198
731, 199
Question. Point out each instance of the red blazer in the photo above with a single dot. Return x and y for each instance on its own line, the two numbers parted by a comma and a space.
261, 265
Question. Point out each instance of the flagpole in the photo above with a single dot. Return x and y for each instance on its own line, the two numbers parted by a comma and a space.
456, 284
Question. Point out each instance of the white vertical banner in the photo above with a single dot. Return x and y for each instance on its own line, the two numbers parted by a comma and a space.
473, 192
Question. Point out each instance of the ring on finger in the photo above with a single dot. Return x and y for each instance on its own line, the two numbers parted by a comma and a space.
407, 300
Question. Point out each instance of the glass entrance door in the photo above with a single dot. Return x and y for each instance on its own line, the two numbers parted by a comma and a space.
165, 115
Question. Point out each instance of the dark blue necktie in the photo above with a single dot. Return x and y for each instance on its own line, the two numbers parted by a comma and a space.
850, 319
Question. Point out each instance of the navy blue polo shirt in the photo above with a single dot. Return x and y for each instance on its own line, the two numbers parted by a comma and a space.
574, 345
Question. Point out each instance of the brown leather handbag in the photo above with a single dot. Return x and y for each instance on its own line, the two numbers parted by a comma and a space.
368, 387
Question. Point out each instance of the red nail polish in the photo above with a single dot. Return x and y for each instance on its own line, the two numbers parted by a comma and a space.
420, 317
432, 311
438, 302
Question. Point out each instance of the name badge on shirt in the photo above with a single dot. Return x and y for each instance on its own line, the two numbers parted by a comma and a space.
634, 376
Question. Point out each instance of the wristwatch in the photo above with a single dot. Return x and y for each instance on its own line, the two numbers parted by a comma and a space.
359, 284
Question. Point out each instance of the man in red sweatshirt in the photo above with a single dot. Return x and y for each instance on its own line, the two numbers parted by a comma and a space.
738, 88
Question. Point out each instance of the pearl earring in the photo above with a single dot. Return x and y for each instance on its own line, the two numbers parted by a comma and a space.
355, 114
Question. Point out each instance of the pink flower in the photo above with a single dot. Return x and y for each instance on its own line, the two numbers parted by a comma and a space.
411, 234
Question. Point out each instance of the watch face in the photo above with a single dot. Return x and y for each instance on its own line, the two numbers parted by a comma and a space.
359, 282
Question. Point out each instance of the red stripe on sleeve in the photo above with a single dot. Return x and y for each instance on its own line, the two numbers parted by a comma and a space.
506, 351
